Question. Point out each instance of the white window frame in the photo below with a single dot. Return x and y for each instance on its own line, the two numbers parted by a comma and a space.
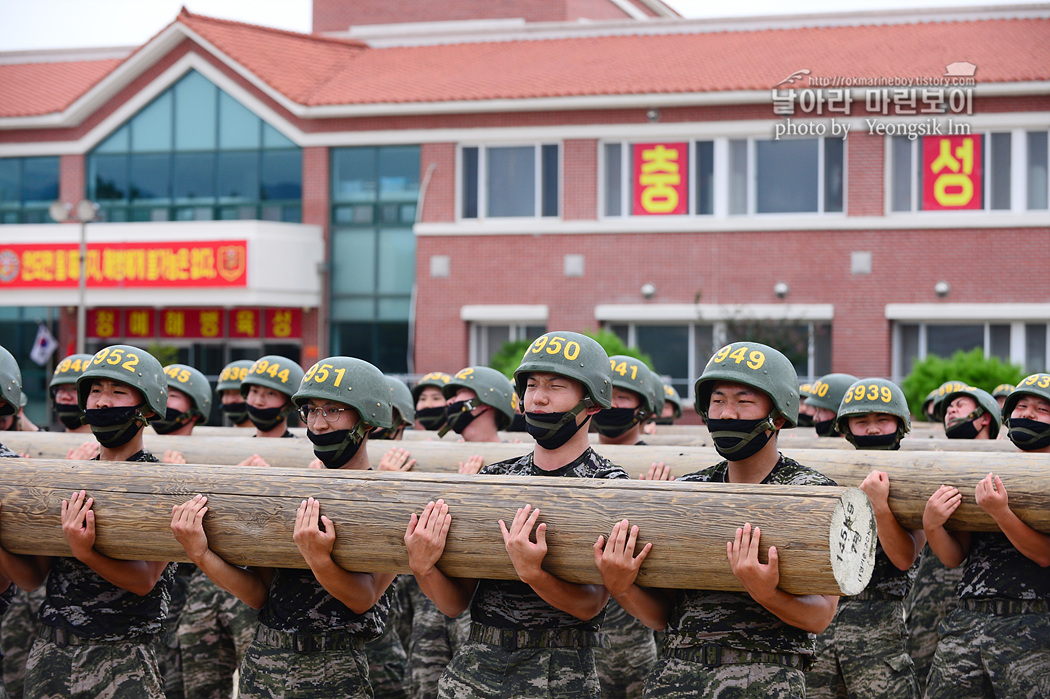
515, 317
482, 184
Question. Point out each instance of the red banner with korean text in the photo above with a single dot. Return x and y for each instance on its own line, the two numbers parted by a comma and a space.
284, 323
952, 173
660, 181
195, 323
210, 263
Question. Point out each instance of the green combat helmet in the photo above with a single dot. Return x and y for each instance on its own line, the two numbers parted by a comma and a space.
432, 418
401, 401
939, 404
230, 380
435, 379
874, 396
348, 381
628, 374
755, 365
10, 383
1002, 390
985, 404
827, 393
671, 396
195, 385
66, 374
137, 368
492, 388
659, 398
1028, 434
279, 374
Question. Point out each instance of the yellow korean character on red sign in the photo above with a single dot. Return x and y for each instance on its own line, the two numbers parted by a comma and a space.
952, 173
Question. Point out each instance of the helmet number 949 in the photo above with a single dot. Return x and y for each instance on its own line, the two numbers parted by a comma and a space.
755, 359
553, 344
320, 374
114, 355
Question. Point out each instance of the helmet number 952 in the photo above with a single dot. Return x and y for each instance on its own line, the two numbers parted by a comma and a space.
755, 359
114, 356
553, 344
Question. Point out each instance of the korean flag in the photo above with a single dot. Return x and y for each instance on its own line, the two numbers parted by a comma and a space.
44, 345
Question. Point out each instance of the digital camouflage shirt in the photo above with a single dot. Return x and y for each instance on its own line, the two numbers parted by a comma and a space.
734, 619
994, 569
297, 603
511, 604
7, 451
83, 602
888, 578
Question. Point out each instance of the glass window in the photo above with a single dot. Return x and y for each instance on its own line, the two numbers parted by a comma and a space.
549, 180
239, 128
470, 183
909, 338
786, 176
353, 261
1035, 347
1000, 171
834, 163
117, 142
738, 177
613, 179
151, 128
397, 261
902, 169
196, 102
10, 181
667, 346
945, 340
193, 176
1037, 169
511, 181
705, 177
999, 342
272, 138
399, 174
108, 178
282, 174
151, 177
354, 174
238, 175
39, 180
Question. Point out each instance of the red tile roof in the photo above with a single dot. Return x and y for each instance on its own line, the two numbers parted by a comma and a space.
315, 71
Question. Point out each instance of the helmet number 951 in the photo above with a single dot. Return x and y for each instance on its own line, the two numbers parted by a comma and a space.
755, 359
320, 373
553, 344
114, 356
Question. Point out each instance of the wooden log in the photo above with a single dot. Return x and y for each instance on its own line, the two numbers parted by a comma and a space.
825, 536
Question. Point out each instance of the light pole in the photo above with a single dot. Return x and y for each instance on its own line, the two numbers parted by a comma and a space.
84, 212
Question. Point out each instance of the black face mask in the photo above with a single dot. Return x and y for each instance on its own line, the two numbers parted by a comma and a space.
518, 424
115, 427
384, 433
553, 430
613, 422
460, 415
825, 428
171, 422
962, 428
737, 440
69, 415
237, 412
265, 419
805, 420
336, 448
876, 441
1029, 435
431, 418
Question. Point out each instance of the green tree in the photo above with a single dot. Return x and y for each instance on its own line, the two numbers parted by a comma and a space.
508, 358
165, 354
970, 367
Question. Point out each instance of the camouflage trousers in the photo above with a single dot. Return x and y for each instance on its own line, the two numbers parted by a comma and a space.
269, 672
863, 653
485, 671
988, 655
930, 600
214, 632
674, 678
123, 670
435, 638
166, 643
387, 662
18, 630
628, 656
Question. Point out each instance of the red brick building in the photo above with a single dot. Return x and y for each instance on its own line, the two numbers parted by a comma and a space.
415, 187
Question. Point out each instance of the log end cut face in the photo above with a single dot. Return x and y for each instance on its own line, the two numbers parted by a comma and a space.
853, 539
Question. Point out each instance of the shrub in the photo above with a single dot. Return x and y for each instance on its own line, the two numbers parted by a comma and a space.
971, 367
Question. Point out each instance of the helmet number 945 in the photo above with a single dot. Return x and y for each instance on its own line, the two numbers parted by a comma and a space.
180, 375
114, 356
755, 359
553, 344
871, 392
321, 372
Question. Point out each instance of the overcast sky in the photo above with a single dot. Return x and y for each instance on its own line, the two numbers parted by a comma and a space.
45, 24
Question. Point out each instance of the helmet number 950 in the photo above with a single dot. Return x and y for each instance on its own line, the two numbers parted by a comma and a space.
871, 392
320, 373
755, 359
114, 356
553, 344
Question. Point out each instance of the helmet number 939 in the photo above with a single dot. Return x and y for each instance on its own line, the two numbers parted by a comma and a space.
556, 345
755, 359
114, 356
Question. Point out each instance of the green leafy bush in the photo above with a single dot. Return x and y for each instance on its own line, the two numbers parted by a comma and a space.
971, 367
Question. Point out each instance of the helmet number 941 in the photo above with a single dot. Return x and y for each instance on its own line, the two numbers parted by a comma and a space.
755, 359
553, 344
622, 368
114, 356
870, 391
321, 373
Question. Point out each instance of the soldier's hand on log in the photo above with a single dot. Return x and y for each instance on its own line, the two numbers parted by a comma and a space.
425, 537
85, 452
877, 487
314, 542
526, 556
944, 501
397, 459
991, 496
78, 523
616, 560
658, 471
472, 465
172, 457
254, 460
315, 464
760, 580
187, 524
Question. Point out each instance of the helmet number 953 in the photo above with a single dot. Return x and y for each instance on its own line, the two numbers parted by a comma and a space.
755, 359
553, 344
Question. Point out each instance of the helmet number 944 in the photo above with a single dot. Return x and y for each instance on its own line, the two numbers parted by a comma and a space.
320, 373
755, 359
553, 344
116, 355
871, 392
273, 370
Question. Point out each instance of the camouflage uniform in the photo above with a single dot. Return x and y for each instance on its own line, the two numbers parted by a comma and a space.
5, 601
386, 656
725, 644
519, 645
18, 630
631, 652
997, 642
214, 632
434, 639
309, 644
169, 657
97, 639
863, 652
931, 599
